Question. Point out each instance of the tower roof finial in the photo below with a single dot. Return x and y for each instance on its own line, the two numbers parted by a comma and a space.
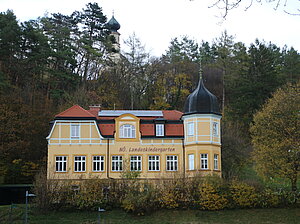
200, 68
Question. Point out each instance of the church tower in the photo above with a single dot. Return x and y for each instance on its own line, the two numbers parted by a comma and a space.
114, 26
202, 133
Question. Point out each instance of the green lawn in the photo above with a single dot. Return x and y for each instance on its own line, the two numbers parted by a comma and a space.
255, 216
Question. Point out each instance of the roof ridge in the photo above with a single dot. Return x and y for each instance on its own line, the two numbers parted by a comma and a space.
71, 108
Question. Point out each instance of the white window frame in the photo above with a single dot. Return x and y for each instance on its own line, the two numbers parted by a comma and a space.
191, 158
98, 163
153, 163
159, 130
171, 162
75, 131
215, 129
116, 163
191, 128
60, 164
204, 161
216, 161
135, 163
127, 131
79, 164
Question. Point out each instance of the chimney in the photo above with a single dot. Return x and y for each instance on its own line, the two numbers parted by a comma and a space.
94, 109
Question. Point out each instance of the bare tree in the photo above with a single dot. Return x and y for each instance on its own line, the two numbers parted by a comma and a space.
228, 5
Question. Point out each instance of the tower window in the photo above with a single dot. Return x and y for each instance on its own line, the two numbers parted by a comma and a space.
127, 131
204, 161
191, 128
216, 158
191, 162
215, 129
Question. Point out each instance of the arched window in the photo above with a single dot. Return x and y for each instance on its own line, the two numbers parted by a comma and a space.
127, 131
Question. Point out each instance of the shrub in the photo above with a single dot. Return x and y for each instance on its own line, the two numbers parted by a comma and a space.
288, 198
268, 199
243, 195
210, 197
169, 198
50, 194
89, 196
140, 200
177, 193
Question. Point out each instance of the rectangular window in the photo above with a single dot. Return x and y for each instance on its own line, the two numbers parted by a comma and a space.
135, 163
127, 131
75, 131
79, 163
116, 163
159, 129
204, 161
216, 158
60, 163
191, 128
215, 130
191, 162
172, 163
153, 162
98, 163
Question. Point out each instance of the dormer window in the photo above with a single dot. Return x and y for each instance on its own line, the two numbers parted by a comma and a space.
127, 131
159, 130
75, 131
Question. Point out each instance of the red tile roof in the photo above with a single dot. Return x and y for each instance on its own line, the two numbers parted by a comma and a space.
172, 114
94, 112
75, 111
107, 129
147, 129
174, 129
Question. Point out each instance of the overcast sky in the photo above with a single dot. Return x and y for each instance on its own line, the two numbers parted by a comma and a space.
156, 22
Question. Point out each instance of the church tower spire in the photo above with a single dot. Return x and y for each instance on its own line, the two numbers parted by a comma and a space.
113, 26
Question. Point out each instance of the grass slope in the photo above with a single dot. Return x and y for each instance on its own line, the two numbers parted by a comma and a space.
245, 216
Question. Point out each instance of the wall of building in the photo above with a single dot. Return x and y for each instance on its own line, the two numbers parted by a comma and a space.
90, 143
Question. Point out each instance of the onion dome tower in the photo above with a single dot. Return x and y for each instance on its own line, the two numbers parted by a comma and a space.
202, 138
201, 101
114, 26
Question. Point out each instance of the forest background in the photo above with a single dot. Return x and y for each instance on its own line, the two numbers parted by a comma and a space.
56, 61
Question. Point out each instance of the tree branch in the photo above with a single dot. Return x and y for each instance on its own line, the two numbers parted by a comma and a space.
227, 5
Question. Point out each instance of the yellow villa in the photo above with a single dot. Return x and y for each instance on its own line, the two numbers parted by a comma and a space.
95, 143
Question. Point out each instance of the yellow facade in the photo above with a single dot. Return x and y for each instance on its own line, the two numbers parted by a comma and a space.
75, 156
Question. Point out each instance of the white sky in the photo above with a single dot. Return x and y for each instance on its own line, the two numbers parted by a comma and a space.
156, 22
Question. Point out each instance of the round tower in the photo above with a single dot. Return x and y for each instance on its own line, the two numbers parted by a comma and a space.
202, 136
